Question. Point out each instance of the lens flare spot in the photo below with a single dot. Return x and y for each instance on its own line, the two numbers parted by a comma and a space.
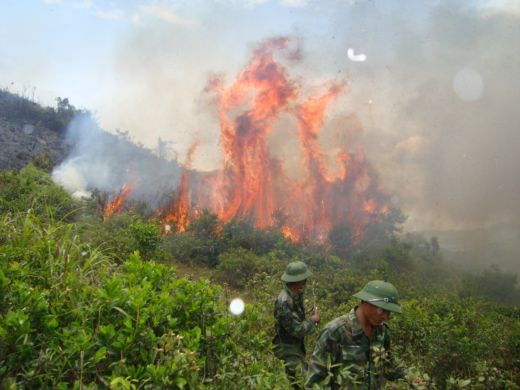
236, 306
468, 84
28, 129
352, 56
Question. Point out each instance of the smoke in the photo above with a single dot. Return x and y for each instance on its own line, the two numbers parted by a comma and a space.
442, 129
103, 161
87, 165
439, 85
435, 96
69, 176
463, 107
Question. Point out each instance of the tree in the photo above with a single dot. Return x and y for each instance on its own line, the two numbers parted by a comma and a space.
340, 238
494, 284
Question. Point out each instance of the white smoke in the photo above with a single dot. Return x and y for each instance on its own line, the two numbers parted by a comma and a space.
103, 161
69, 176
436, 95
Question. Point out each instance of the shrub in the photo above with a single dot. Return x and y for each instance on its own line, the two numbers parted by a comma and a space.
449, 337
19, 108
192, 250
121, 235
493, 284
244, 235
238, 266
33, 188
71, 317
147, 236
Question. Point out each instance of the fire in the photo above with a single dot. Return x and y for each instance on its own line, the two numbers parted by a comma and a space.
246, 184
252, 184
290, 234
178, 213
117, 202
370, 206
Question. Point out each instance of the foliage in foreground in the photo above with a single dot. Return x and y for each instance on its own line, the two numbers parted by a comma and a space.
71, 316
33, 189
83, 304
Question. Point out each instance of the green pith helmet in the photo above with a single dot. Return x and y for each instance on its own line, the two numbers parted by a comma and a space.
381, 294
296, 272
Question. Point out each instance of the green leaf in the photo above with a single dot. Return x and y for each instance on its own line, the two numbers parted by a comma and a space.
122, 312
100, 354
181, 382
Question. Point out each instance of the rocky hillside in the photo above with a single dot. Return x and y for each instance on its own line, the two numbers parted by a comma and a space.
48, 136
29, 131
22, 141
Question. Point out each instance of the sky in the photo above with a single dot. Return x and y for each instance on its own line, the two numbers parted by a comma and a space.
435, 84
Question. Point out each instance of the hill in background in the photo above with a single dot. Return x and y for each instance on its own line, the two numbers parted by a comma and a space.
44, 135
28, 130
69, 140
476, 249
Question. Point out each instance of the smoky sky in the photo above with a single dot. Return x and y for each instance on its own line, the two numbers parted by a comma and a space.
462, 167
436, 98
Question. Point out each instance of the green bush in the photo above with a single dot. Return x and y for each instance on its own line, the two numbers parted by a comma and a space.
493, 284
453, 338
238, 266
205, 233
147, 236
81, 305
71, 317
243, 234
120, 235
192, 250
33, 189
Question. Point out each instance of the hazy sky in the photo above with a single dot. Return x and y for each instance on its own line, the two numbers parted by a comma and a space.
435, 84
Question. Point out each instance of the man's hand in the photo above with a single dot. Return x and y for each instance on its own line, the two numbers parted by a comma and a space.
315, 316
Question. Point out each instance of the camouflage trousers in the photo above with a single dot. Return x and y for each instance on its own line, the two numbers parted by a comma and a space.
293, 357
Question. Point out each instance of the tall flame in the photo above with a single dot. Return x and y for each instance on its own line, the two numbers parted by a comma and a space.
253, 185
246, 182
117, 201
179, 210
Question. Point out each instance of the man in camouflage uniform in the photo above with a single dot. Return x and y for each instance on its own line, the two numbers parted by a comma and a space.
291, 325
352, 351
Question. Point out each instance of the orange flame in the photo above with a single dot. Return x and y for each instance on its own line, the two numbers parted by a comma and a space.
253, 185
117, 201
246, 183
290, 234
178, 214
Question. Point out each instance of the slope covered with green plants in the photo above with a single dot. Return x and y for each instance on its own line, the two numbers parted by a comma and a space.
87, 303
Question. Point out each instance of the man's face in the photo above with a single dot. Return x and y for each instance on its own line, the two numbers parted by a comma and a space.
375, 315
298, 287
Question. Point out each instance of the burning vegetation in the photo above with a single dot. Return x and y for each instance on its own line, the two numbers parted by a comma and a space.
116, 202
254, 185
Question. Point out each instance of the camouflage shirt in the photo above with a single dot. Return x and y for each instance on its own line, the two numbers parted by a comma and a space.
291, 326
345, 358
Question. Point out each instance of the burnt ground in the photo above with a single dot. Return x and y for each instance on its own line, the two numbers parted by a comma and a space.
29, 131
22, 141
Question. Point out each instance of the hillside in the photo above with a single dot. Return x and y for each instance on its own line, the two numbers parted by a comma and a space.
477, 249
28, 131
90, 300
97, 303
69, 138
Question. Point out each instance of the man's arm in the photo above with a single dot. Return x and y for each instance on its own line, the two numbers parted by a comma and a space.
394, 369
292, 324
323, 353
